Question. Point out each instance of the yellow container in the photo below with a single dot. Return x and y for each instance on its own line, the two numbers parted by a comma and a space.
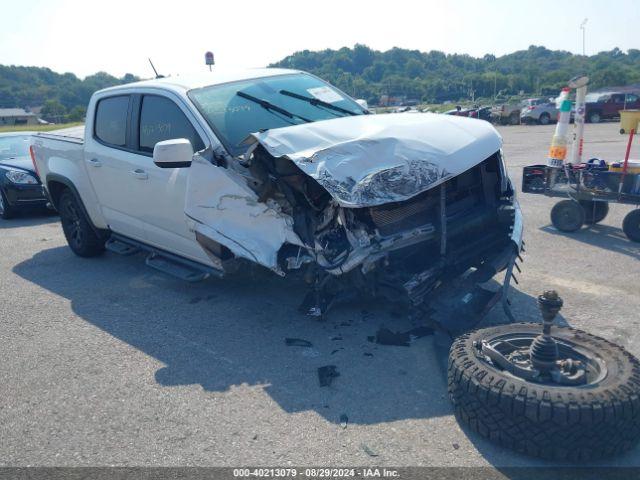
629, 120
633, 167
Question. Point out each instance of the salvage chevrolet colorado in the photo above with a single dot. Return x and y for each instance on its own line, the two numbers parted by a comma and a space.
279, 168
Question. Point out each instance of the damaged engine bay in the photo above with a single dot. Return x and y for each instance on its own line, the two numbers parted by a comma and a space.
400, 230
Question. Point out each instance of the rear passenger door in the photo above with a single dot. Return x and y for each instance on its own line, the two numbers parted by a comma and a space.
615, 104
158, 117
109, 165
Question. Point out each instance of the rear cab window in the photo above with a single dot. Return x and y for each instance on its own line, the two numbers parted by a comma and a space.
161, 119
111, 120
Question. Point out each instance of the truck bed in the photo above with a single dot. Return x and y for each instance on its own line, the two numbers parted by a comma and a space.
72, 134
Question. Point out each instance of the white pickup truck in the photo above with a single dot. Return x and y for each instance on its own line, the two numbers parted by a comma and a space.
278, 168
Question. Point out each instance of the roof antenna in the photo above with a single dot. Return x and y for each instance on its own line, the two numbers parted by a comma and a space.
154, 70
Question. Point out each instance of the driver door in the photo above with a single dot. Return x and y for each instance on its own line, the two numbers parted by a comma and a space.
157, 117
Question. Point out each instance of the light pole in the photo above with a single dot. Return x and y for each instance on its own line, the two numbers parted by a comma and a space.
582, 27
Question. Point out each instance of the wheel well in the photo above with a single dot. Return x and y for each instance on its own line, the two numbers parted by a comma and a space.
56, 187
55, 190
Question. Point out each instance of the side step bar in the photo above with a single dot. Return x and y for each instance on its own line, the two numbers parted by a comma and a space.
121, 248
165, 262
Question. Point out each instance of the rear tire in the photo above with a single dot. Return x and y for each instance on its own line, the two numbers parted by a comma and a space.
594, 117
544, 119
594, 212
80, 235
567, 216
631, 225
6, 211
514, 118
550, 421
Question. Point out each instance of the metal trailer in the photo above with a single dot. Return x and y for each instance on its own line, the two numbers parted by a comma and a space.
587, 189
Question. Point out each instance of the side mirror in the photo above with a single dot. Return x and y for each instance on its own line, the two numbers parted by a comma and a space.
363, 103
174, 153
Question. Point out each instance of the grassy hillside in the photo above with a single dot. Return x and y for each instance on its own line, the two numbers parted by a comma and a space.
64, 94
427, 77
434, 76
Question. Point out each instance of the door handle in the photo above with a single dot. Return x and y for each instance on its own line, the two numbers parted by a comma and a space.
139, 174
94, 162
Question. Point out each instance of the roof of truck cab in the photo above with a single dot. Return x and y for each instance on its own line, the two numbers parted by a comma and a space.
198, 80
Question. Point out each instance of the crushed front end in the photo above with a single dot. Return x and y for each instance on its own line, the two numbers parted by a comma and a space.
414, 208
434, 252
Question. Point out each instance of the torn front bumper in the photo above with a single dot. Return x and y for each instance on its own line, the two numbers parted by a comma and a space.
459, 304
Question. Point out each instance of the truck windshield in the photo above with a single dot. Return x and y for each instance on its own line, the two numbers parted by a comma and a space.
233, 117
14, 146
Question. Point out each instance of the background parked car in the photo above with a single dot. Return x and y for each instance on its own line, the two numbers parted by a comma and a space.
20, 187
538, 110
506, 114
483, 113
458, 111
607, 105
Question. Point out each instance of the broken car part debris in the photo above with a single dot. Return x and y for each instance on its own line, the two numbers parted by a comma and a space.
384, 336
297, 342
344, 420
327, 374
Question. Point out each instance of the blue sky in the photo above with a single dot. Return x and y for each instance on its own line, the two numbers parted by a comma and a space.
117, 36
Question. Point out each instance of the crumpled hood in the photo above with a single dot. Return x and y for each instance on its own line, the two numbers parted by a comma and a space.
369, 160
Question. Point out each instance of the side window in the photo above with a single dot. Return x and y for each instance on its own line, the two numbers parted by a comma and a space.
632, 98
161, 119
111, 120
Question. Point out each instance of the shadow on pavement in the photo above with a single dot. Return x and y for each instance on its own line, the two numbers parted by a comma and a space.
29, 219
602, 236
225, 333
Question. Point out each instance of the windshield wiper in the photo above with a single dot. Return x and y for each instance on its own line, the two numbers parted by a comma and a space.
270, 106
317, 102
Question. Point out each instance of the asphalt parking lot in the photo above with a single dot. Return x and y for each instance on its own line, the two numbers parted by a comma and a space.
107, 362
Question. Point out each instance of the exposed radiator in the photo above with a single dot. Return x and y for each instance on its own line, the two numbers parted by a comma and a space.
390, 219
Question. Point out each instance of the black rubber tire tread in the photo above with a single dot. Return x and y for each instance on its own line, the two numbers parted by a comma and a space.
567, 216
8, 212
551, 422
631, 225
594, 212
91, 245
544, 122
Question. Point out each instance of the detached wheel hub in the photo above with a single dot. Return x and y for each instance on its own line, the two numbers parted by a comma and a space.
531, 391
541, 359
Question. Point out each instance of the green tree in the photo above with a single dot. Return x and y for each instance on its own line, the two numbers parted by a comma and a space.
54, 110
77, 114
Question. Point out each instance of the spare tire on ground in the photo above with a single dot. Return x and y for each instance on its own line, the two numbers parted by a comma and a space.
540, 417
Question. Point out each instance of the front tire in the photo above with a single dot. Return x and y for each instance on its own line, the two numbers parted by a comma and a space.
6, 211
594, 117
80, 235
567, 216
631, 225
551, 421
544, 119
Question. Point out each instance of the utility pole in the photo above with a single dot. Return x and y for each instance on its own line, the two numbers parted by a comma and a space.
495, 81
583, 28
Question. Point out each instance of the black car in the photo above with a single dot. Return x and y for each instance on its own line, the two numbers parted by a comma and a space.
20, 187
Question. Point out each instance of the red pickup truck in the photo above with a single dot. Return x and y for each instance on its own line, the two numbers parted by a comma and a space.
607, 105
